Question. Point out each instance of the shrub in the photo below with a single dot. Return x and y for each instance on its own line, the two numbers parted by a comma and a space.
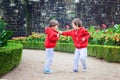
10, 56
108, 53
65, 47
65, 39
37, 37
33, 45
110, 36
4, 35
30, 45
34, 37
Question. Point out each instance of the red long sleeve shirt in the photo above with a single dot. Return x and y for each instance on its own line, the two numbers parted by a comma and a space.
77, 35
51, 38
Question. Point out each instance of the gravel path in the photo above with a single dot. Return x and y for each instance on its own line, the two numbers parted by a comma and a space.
33, 61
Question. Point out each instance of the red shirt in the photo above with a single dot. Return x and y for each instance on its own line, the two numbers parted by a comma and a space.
77, 35
51, 38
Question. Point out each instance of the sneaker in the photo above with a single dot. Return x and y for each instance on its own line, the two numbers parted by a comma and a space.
73, 71
48, 71
84, 70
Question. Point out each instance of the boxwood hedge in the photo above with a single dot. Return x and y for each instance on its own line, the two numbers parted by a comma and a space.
10, 56
108, 53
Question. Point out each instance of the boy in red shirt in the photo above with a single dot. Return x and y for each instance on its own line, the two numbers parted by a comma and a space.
50, 42
80, 38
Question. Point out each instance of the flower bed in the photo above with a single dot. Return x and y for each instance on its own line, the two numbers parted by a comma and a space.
10, 56
101, 42
110, 36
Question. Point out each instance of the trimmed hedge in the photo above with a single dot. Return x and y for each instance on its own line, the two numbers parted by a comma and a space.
63, 47
108, 53
31, 45
10, 56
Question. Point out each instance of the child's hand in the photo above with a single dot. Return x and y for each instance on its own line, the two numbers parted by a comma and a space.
58, 35
83, 39
60, 32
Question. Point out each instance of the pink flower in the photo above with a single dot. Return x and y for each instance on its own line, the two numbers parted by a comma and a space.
97, 31
98, 26
113, 23
104, 26
67, 26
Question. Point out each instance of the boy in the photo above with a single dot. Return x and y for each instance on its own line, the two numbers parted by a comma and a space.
50, 42
80, 38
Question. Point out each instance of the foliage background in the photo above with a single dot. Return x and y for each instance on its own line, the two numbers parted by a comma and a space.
109, 36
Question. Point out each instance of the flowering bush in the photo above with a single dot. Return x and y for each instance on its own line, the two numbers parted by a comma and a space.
110, 36
65, 39
34, 37
19, 38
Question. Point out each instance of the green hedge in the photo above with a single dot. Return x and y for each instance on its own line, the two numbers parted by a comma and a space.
10, 56
63, 47
108, 53
31, 45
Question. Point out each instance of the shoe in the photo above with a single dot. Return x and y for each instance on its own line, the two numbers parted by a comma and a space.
84, 70
73, 71
48, 71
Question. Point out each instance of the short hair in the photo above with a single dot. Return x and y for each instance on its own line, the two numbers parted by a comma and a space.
77, 22
53, 23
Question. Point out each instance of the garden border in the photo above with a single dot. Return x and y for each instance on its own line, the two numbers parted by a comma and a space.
108, 53
10, 57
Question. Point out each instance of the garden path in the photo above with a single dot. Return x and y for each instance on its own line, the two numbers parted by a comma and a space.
31, 68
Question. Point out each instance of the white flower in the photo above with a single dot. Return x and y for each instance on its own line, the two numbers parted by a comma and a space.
116, 26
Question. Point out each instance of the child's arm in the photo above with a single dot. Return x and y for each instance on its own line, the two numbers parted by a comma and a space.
67, 33
54, 37
87, 35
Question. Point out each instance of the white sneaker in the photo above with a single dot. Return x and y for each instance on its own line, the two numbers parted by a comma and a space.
84, 70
